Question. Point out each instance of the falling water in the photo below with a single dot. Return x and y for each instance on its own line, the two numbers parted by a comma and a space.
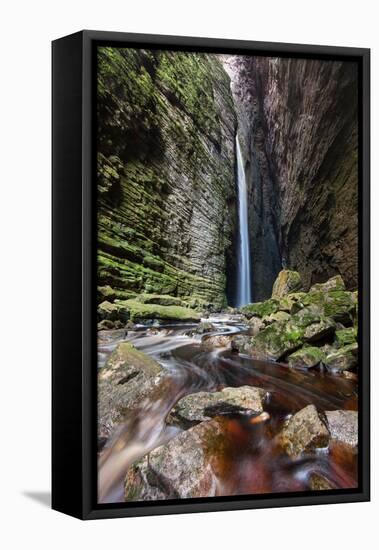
243, 279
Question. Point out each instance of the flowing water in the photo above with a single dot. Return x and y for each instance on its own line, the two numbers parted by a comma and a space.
251, 463
244, 275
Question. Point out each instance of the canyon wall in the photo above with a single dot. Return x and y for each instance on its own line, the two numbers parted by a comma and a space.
300, 126
310, 109
166, 184
167, 218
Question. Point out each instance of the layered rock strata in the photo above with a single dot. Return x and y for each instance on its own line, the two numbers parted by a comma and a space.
166, 190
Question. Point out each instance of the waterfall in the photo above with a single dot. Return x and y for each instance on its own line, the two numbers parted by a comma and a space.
243, 278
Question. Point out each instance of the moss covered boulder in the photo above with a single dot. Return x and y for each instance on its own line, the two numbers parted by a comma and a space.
138, 311
276, 341
320, 330
340, 305
306, 358
274, 317
281, 338
346, 336
260, 309
287, 281
111, 312
292, 302
344, 358
242, 343
335, 283
106, 293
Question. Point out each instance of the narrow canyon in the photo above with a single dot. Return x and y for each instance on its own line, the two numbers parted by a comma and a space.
227, 274
167, 169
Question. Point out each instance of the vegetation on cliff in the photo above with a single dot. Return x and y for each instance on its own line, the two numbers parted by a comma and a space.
166, 215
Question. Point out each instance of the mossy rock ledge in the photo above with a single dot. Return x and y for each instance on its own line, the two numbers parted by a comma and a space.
147, 307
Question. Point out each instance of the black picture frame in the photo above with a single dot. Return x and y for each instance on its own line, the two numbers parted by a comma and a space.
74, 411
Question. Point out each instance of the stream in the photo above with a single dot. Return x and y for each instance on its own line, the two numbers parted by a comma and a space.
252, 463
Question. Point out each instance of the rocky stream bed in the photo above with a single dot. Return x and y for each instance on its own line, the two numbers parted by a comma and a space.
250, 401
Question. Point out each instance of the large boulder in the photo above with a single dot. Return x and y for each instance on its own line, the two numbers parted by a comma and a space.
106, 292
260, 309
274, 317
304, 432
335, 283
181, 469
128, 377
242, 343
292, 302
287, 281
197, 407
275, 341
340, 305
255, 324
346, 336
107, 311
306, 358
216, 341
343, 427
318, 331
282, 337
344, 358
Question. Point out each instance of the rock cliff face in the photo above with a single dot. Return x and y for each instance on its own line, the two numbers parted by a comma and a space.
298, 119
166, 190
167, 217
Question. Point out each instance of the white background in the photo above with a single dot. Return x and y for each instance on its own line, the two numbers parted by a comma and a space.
26, 31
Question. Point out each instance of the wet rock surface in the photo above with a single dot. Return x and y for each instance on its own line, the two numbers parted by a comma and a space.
305, 431
286, 282
306, 358
128, 377
180, 469
343, 426
216, 341
342, 359
202, 406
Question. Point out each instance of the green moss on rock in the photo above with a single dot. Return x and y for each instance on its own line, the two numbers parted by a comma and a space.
346, 336
287, 281
306, 358
140, 312
166, 147
293, 302
260, 309
344, 358
162, 300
